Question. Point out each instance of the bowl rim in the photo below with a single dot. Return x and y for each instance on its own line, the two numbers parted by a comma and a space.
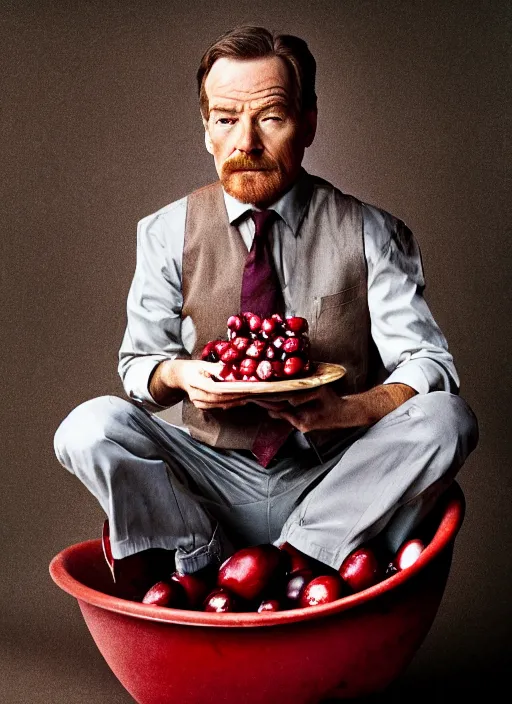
450, 523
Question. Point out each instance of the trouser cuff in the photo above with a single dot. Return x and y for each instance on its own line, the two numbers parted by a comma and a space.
213, 553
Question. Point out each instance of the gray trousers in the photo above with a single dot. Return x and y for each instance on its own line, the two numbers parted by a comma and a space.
160, 488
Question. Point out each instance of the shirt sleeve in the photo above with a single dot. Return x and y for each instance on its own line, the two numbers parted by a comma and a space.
413, 349
155, 300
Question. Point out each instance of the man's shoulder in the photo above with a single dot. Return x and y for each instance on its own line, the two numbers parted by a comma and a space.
176, 209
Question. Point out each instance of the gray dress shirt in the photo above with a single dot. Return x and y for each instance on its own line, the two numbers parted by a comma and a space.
413, 348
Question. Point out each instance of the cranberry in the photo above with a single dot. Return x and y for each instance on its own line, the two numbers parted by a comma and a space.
264, 370
291, 345
321, 590
235, 322
268, 326
293, 366
250, 570
248, 366
240, 343
230, 355
269, 605
408, 553
254, 323
278, 342
209, 353
219, 601
360, 569
256, 349
296, 324
270, 352
163, 593
277, 369
221, 346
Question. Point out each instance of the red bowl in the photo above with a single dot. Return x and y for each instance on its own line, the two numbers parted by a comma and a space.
350, 648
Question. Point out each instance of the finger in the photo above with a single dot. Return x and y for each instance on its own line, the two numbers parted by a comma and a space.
273, 406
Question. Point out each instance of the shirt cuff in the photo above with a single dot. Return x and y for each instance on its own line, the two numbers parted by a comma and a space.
423, 375
136, 382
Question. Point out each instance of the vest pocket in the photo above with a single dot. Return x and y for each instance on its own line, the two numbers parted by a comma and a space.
335, 300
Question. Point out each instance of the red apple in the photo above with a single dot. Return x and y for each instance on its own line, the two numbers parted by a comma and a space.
250, 570
165, 594
321, 590
360, 569
219, 601
296, 584
195, 588
408, 553
298, 560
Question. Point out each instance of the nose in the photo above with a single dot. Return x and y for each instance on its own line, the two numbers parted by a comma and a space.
248, 139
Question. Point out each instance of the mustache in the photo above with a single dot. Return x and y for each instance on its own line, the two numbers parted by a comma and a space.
242, 162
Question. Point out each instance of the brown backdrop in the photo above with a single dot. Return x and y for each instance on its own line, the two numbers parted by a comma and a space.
100, 127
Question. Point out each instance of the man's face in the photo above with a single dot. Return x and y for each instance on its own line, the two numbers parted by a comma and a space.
253, 130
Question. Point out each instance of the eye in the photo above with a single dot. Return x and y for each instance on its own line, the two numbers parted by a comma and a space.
273, 118
225, 121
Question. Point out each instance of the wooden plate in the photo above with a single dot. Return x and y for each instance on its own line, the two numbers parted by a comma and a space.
324, 373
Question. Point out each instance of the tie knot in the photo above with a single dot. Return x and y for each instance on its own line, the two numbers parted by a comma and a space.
262, 220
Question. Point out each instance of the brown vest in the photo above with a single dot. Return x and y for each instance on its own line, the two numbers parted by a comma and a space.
328, 288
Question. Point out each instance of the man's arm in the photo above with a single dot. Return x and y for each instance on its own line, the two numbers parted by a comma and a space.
412, 347
154, 362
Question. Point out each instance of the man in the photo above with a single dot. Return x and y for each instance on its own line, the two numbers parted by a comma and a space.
365, 458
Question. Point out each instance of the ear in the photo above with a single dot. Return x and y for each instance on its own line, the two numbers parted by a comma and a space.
310, 122
207, 139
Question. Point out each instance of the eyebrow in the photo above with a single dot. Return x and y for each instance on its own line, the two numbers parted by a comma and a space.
274, 103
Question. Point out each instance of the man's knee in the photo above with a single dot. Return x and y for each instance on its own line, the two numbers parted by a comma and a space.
88, 425
449, 419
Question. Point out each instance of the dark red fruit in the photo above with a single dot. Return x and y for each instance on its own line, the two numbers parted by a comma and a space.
250, 570
225, 371
278, 341
296, 585
360, 569
268, 326
254, 322
219, 601
209, 353
255, 349
195, 588
240, 343
277, 369
291, 345
278, 318
298, 560
264, 370
248, 366
296, 324
165, 594
235, 323
321, 590
408, 553
270, 352
230, 355
269, 605
293, 366
221, 346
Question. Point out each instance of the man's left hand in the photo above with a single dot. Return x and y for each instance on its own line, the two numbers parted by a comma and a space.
323, 409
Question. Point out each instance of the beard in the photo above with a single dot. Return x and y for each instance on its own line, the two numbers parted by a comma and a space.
252, 180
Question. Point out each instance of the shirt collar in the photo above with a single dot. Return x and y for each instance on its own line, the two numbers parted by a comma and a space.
290, 207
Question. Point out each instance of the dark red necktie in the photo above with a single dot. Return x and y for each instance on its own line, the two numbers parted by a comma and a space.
261, 294
261, 291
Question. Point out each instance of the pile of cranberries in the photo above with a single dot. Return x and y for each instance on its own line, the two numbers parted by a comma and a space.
265, 578
261, 349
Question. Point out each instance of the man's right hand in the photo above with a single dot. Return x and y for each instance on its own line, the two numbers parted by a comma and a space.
194, 377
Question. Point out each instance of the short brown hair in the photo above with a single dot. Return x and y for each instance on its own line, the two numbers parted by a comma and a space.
251, 42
